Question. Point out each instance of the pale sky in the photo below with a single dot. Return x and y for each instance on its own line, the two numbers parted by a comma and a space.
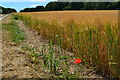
21, 4
27, 0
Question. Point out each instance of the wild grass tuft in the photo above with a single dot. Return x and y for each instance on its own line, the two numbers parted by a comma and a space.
16, 35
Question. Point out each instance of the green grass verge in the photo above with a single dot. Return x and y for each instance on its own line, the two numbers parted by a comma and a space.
15, 34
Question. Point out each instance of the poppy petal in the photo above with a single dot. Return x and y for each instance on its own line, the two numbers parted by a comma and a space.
78, 61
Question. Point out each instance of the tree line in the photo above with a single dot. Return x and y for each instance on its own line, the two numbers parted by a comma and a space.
38, 8
6, 10
56, 6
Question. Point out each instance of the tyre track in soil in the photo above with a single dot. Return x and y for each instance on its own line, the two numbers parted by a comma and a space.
16, 63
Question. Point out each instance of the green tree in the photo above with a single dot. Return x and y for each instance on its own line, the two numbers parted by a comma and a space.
112, 6
89, 5
67, 8
7, 10
77, 5
49, 6
39, 8
56, 6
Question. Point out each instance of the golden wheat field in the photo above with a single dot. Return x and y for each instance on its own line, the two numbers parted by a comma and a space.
92, 36
94, 17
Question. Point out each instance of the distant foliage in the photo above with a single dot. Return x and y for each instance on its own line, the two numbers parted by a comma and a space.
56, 6
6, 10
38, 8
82, 6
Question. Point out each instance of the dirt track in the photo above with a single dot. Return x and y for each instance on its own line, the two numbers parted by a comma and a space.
16, 63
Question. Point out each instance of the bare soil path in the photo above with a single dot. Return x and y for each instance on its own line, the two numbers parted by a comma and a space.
16, 63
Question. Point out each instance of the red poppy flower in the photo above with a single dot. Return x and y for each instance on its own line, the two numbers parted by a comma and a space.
78, 61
